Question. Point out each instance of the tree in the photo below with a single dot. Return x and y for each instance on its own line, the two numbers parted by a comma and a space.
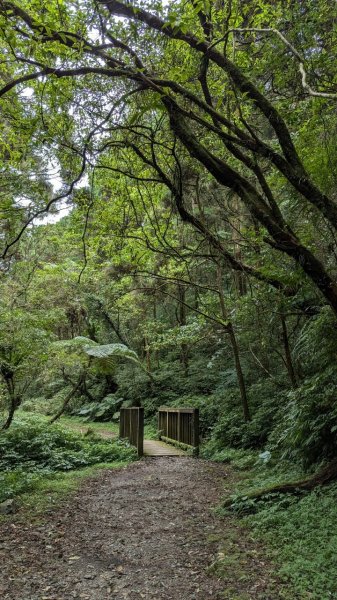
80, 348
246, 142
195, 144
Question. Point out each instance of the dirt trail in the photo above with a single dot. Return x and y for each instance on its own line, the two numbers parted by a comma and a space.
142, 532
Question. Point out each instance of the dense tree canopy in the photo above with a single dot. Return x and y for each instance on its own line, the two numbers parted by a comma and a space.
191, 146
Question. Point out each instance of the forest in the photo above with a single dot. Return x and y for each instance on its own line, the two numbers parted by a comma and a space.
168, 237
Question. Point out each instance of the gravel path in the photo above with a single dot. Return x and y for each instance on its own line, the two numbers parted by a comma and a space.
145, 531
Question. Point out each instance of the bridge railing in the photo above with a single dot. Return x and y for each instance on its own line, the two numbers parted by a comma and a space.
179, 425
131, 426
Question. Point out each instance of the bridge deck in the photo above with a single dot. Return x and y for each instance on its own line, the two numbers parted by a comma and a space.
158, 448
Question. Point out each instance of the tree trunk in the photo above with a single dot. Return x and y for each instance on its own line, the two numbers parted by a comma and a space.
239, 373
184, 358
236, 353
322, 477
280, 237
287, 352
15, 399
147, 355
15, 402
66, 401
238, 276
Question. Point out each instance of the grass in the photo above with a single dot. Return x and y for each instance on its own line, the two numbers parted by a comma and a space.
81, 424
239, 459
49, 492
150, 431
77, 423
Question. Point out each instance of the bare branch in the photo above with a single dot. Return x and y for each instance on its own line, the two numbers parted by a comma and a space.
293, 50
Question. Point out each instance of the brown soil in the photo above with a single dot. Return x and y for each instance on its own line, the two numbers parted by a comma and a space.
143, 532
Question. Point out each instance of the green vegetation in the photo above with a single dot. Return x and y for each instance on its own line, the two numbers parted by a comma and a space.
302, 533
39, 494
82, 424
298, 531
31, 451
168, 237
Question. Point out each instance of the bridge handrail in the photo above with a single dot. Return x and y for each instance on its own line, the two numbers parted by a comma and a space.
131, 426
179, 425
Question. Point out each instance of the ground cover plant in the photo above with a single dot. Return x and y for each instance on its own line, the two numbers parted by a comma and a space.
302, 535
31, 451
297, 530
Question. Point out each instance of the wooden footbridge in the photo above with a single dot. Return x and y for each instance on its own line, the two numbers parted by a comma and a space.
178, 431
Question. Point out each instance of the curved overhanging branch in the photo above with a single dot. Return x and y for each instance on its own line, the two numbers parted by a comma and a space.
197, 224
301, 68
291, 166
45, 210
238, 77
282, 239
60, 73
64, 194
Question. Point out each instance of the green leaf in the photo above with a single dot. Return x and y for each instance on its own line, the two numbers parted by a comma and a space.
111, 350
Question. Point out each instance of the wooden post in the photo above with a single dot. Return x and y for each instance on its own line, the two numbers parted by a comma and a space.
121, 423
196, 429
179, 432
140, 437
131, 426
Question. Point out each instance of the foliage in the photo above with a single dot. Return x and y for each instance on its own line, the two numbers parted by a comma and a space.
189, 148
298, 530
105, 410
238, 458
306, 431
198, 244
33, 446
104, 353
18, 481
302, 534
39, 405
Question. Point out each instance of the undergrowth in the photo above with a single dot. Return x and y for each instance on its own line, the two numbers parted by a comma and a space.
32, 450
49, 491
240, 459
302, 532
298, 530
81, 424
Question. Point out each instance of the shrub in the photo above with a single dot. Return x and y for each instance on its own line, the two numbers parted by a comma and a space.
302, 533
239, 459
13, 483
39, 405
307, 431
105, 410
35, 446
